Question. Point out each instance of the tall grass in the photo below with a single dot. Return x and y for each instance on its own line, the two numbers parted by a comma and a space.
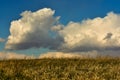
102, 68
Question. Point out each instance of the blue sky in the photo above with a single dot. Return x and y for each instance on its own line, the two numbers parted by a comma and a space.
69, 10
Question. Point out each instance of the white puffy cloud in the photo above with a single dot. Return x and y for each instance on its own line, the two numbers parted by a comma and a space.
33, 29
92, 34
42, 29
2, 40
11, 55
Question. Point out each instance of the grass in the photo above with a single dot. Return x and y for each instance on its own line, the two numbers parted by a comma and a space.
61, 69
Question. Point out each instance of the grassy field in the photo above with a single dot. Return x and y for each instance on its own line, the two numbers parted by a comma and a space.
61, 69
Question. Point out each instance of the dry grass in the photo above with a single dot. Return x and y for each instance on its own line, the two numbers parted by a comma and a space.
102, 68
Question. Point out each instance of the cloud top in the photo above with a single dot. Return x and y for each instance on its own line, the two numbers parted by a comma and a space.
92, 34
33, 30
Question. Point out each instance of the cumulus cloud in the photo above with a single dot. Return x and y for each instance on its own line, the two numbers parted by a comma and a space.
33, 30
42, 29
2, 40
92, 34
10, 55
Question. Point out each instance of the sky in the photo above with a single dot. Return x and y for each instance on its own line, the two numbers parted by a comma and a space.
67, 26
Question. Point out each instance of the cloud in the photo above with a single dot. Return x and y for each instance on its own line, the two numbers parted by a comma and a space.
33, 29
42, 29
58, 27
10, 55
90, 54
59, 55
2, 40
92, 34
108, 36
82, 54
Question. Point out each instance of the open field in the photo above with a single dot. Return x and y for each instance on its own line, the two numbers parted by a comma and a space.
61, 69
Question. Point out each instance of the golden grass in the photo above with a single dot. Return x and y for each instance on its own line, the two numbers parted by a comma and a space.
101, 68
